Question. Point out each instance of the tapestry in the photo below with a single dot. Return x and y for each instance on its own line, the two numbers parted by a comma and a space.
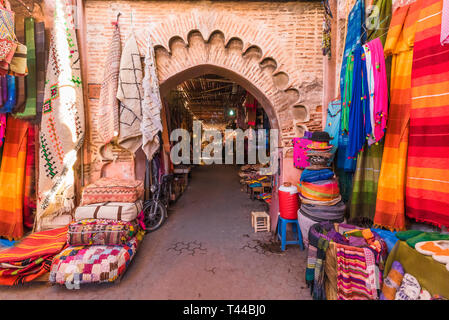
427, 187
106, 121
130, 94
12, 177
151, 106
390, 203
62, 127
31, 257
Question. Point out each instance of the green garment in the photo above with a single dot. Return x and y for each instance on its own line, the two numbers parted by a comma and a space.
347, 94
431, 275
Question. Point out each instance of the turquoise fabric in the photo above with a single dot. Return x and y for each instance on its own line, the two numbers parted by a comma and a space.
333, 121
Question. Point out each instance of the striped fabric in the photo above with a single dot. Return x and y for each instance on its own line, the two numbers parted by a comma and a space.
427, 192
320, 190
356, 278
390, 193
29, 199
444, 38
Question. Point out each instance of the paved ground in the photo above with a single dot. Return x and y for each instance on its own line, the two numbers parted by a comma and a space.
206, 250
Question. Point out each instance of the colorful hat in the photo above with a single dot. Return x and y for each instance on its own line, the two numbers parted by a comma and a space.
321, 136
316, 145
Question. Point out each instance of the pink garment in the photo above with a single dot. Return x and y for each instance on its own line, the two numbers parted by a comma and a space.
2, 128
300, 152
445, 23
380, 88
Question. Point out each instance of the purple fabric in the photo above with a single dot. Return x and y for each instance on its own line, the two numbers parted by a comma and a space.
308, 135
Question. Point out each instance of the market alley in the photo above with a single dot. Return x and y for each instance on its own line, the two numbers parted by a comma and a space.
206, 250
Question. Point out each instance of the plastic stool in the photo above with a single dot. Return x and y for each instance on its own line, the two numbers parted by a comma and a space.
282, 232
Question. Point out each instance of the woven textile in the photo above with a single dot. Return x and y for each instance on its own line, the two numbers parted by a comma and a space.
316, 175
62, 127
29, 199
110, 210
300, 147
355, 274
30, 104
130, 94
427, 192
333, 121
101, 232
151, 106
40, 67
12, 177
110, 189
31, 257
324, 190
324, 213
92, 264
391, 186
444, 38
7, 39
106, 123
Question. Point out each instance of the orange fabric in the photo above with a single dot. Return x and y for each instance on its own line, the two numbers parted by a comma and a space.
390, 204
12, 179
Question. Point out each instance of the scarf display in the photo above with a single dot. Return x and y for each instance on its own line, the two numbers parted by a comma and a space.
130, 94
29, 200
31, 257
152, 105
30, 106
427, 186
390, 204
107, 125
62, 127
10, 88
12, 177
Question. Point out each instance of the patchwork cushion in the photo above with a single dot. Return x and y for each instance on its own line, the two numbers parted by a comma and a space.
110, 189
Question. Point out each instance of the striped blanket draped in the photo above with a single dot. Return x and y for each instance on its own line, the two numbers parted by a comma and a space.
29, 199
31, 257
61, 133
427, 188
356, 275
12, 177
391, 187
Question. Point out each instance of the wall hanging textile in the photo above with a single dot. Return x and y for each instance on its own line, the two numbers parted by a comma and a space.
365, 182
130, 94
106, 123
444, 38
151, 106
427, 186
62, 127
20, 95
347, 94
92, 264
29, 199
12, 178
354, 37
379, 20
333, 122
125, 211
31, 257
30, 107
40, 68
10, 101
391, 186
110, 189
101, 232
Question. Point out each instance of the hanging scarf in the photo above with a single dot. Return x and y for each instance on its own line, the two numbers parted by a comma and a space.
333, 122
130, 94
151, 106
29, 200
106, 122
347, 94
40, 68
10, 102
444, 38
390, 192
427, 187
62, 128
30, 107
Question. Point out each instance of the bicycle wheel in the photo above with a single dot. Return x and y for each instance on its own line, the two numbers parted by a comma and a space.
154, 215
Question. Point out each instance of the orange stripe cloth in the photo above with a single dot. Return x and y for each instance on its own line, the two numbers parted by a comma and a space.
12, 179
390, 194
427, 192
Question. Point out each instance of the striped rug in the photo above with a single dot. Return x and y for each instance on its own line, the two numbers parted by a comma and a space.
427, 188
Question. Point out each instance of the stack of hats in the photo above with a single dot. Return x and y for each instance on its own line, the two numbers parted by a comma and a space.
318, 187
104, 237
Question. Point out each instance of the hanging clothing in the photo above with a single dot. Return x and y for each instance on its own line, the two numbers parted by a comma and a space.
427, 187
107, 123
29, 200
30, 104
62, 129
444, 38
379, 20
12, 177
371, 84
347, 94
390, 193
333, 122
40, 68
356, 35
130, 95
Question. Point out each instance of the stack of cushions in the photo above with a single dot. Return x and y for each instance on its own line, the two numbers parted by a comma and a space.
318, 187
104, 236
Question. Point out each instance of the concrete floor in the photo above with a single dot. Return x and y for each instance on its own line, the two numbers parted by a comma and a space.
206, 250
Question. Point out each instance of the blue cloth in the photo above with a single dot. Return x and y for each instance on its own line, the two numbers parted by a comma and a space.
6, 243
316, 175
333, 121
348, 165
388, 236
356, 36
359, 113
11, 101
